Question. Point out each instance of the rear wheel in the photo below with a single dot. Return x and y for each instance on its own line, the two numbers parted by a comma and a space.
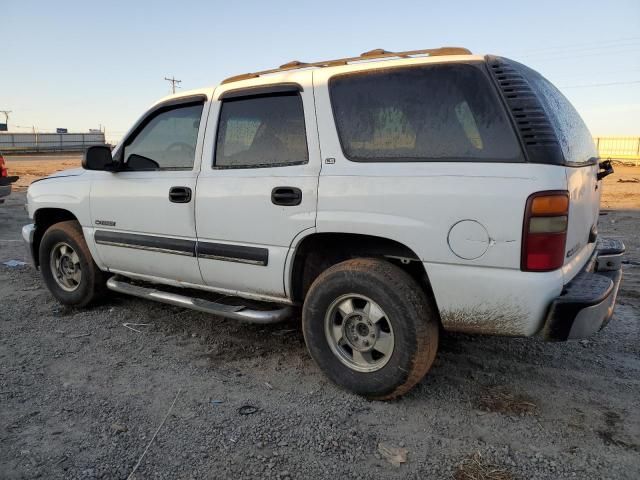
370, 327
67, 266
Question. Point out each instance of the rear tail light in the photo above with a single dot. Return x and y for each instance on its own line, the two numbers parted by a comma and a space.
544, 234
3, 169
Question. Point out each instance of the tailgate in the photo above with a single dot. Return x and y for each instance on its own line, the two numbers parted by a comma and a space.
584, 209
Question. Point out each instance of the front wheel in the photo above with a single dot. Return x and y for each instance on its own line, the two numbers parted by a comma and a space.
67, 266
370, 328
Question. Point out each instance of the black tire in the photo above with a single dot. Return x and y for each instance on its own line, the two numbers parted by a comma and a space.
92, 283
411, 316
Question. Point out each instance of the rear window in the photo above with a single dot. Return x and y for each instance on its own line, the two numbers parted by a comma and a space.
572, 133
439, 112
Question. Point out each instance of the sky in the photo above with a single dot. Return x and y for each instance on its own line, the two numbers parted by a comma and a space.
83, 64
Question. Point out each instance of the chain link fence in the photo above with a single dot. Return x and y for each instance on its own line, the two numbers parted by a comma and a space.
49, 142
624, 149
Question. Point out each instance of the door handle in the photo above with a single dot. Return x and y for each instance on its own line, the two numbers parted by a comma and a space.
286, 196
180, 194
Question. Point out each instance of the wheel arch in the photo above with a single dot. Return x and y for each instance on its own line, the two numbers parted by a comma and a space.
43, 219
317, 251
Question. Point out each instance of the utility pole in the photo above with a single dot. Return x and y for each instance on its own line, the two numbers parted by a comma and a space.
173, 83
6, 117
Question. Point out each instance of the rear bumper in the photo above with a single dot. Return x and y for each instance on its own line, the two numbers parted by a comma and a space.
5, 186
587, 302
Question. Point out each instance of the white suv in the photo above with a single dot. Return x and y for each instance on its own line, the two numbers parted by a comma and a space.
388, 195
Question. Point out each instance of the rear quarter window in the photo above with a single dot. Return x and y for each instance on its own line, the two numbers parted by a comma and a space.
444, 112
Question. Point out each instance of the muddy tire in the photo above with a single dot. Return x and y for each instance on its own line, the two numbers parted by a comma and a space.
67, 266
370, 328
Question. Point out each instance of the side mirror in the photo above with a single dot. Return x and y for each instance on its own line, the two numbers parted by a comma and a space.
98, 157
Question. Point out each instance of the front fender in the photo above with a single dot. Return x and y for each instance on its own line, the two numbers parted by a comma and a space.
64, 193
66, 197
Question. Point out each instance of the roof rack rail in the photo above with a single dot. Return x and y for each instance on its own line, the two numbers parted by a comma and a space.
370, 55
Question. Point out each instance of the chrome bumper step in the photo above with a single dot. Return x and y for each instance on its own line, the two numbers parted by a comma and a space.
235, 312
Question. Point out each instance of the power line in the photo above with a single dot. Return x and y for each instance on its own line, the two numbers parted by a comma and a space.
603, 43
586, 85
575, 74
579, 55
173, 83
575, 50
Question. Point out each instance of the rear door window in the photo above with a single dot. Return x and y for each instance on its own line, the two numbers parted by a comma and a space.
445, 112
261, 131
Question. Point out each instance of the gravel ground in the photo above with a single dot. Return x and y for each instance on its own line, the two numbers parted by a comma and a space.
81, 396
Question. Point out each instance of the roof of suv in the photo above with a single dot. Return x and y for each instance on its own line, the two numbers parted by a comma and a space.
376, 54
371, 59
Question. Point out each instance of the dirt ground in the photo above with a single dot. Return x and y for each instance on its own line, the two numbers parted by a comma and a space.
81, 395
31, 167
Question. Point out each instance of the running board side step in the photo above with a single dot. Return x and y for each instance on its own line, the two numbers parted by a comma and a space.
235, 312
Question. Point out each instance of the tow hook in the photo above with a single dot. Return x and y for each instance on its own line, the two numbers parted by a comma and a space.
607, 169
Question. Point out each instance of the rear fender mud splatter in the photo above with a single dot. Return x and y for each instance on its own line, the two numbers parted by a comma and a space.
496, 319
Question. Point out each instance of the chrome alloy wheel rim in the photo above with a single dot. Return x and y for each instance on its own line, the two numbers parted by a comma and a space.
65, 266
359, 333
